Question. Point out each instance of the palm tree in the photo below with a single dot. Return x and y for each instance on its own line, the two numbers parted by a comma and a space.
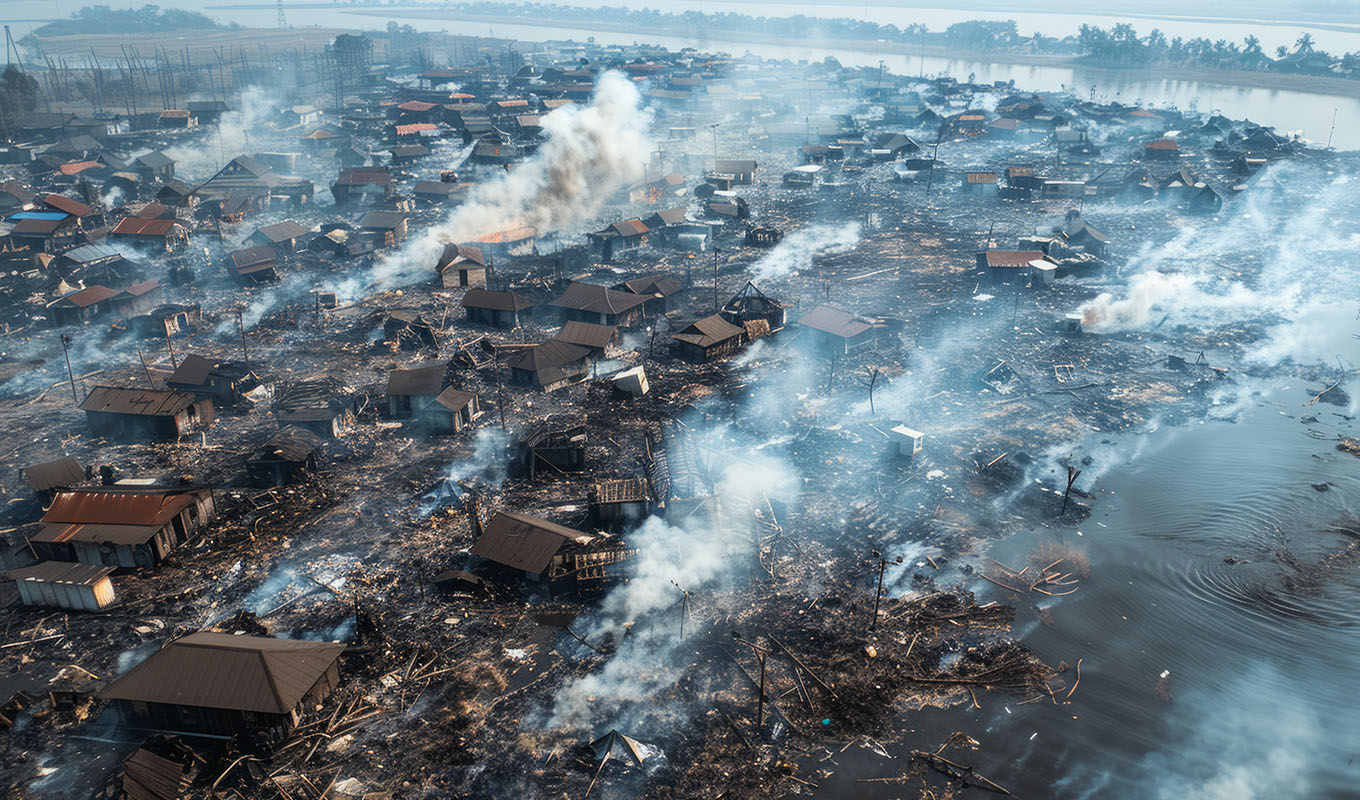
1305, 42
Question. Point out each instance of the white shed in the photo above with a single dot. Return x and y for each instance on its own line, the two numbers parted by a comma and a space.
61, 584
908, 442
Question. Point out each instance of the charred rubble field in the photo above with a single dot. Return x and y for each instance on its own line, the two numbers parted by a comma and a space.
797, 584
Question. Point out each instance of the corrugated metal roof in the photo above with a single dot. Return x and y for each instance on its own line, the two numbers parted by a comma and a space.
60, 572
239, 673
454, 399
97, 533
119, 506
147, 776
289, 443
1011, 258
282, 231
588, 334
834, 321
252, 259
147, 402
87, 297
137, 226
73, 207
545, 356
521, 541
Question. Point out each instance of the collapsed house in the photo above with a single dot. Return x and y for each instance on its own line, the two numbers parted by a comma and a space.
226, 383
285, 456
556, 557
46, 478
754, 311
222, 686
549, 366
322, 405
121, 527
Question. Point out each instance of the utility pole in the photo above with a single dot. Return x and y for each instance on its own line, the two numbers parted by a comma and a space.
1072, 473
713, 127
878, 595
684, 607
500, 392
715, 280
66, 350
150, 384
171, 347
240, 323
934, 156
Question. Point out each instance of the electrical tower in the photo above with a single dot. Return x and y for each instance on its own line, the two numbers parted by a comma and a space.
283, 23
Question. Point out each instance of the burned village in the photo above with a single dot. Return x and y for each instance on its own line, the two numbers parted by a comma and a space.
562, 420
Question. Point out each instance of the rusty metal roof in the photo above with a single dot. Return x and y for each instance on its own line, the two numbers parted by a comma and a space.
73, 207
146, 402
153, 507
1012, 258
137, 226
525, 542
239, 673
87, 297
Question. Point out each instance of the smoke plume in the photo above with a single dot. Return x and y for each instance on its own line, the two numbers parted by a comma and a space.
797, 250
591, 151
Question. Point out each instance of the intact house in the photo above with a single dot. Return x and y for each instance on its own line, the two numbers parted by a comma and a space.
61, 584
409, 390
600, 340
660, 292
549, 366
121, 527
154, 167
496, 309
221, 686
451, 411
1008, 266
135, 415
253, 265
165, 235
82, 306
286, 455
534, 547
383, 228
619, 238
587, 302
835, 330
363, 186
283, 237
740, 171
706, 339
226, 383
462, 265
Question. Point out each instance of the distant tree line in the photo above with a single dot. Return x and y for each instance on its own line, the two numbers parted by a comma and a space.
1122, 46
147, 19
1119, 46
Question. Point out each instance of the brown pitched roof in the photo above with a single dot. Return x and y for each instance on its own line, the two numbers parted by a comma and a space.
137, 226
239, 673
524, 542
282, 231
495, 301
708, 331
87, 297
73, 207
597, 299
50, 475
834, 321
587, 334
418, 382
119, 506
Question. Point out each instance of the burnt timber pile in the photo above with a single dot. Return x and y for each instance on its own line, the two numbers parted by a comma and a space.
681, 498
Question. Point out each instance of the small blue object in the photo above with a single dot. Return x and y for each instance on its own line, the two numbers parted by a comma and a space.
826, 721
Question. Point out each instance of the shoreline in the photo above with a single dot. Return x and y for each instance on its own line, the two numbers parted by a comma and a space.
1339, 87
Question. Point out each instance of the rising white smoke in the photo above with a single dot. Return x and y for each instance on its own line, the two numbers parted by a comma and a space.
1283, 264
233, 136
590, 152
643, 614
797, 250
